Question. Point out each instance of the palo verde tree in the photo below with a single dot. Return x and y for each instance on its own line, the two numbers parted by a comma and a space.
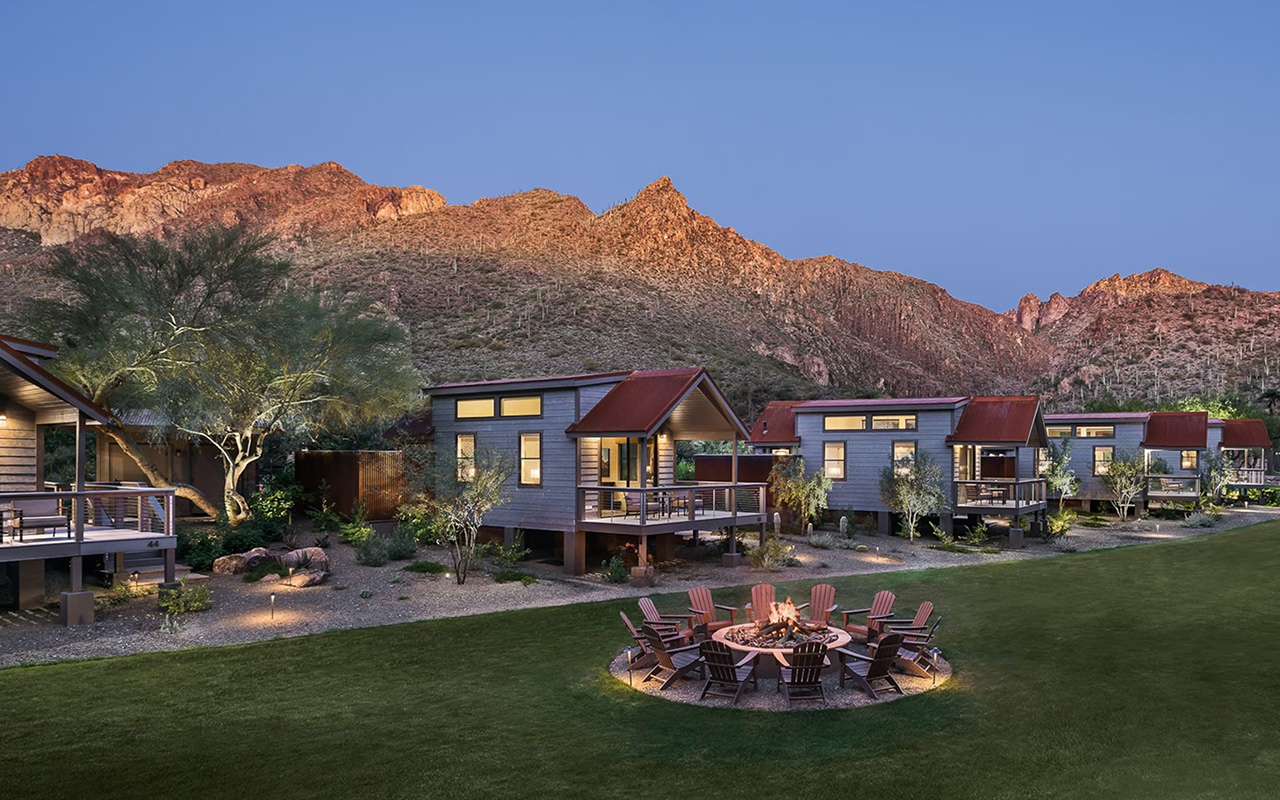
912, 487
205, 333
805, 495
1125, 477
1058, 473
1215, 475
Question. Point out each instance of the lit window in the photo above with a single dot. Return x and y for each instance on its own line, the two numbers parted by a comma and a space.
1058, 431
781, 451
1042, 460
1102, 457
839, 423
466, 452
893, 422
833, 460
1191, 459
530, 459
1096, 431
903, 452
522, 406
475, 409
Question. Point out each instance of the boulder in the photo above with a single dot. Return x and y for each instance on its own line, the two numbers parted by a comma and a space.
271, 578
862, 548
229, 565
256, 557
309, 558
308, 577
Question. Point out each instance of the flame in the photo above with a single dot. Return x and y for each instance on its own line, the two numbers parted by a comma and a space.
784, 612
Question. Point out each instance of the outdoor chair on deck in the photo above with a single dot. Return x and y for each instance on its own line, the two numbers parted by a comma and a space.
800, 678
35, 513
763, 596
867, 670
822, 601
881, 609
701, 604
724, 672
668, 624
679, 661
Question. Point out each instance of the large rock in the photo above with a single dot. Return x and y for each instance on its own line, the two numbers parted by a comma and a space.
313, 558
256, 557
237, 563
308, 577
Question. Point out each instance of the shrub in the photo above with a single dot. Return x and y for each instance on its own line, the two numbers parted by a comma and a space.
940, 534
372, 550
185, 599
403, 544
510, 576
976, 534
846, 544
1059, 524
322, 541
272, 504
427, 567
263, 570
1198, 519
528, 580
822, 541
323, 518
199, 544
246, 536
417, 518
773, 556
616, 570
365, 594
507, 556
122, 592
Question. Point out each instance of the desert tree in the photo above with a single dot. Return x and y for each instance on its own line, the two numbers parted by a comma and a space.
1125, 477
912, 487
1059, 475
804, 494
1215, 475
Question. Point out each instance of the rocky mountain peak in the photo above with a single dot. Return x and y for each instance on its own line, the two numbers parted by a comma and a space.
1155, 281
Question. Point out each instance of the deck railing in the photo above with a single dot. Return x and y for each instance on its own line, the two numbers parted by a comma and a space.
1248, 476
41, 516
654, 504
1183, 486
1002, 494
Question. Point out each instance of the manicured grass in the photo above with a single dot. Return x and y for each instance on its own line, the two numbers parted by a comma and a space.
1150, 671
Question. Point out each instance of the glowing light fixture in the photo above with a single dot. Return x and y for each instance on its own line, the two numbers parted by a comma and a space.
4, 420
273, 605
134, 577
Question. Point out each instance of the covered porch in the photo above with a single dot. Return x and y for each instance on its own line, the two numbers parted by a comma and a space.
1245, 443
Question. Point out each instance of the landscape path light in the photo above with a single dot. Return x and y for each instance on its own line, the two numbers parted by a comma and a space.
273, 605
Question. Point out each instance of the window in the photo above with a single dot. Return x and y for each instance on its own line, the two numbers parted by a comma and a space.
530, 459
1191, 459
833, 460
835, 422
781, 451
475, 409
1042, 460
893, 422
1102, 456
522, 406
1058, 431
1096, 431
466, 452
903, 451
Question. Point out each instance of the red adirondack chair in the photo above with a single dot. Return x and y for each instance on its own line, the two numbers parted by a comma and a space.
881, 609
917, 623
822, 601
801, 677
666, 623
679, 661
723, 671
866, 670
763, 596
705, 609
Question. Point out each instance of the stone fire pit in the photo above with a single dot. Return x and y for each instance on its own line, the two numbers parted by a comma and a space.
774, 640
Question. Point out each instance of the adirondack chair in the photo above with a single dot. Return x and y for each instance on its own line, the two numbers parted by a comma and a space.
918, 623
801, 677
870, 669
724, 672
679, 661
667, 623
881, 609
913, 657
822, 601
33, 513
762, 599
646, 658
701, 604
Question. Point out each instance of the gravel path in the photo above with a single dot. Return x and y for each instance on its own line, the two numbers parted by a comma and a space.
242, 611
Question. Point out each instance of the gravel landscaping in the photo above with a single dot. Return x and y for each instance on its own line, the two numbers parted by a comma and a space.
359, 596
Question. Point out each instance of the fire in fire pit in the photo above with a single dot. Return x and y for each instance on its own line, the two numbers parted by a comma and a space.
783, 629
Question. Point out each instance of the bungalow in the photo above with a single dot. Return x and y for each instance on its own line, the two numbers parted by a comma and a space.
987, 447
63, 527
595, 455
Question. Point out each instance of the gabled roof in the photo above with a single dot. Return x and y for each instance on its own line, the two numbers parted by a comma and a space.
1177, 430
777, 424
1245, 433
29, 347
31, 385
526, 384
868, 403
643, 401
1000, 420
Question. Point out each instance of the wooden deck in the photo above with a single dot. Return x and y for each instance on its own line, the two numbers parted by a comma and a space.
38, 543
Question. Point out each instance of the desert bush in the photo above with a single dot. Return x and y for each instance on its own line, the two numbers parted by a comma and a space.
773, 556
1198, 519
427, 567
186, 599
372, 550
417, 518
976, 534
616, 570
507, 556
403, 544
324, 519
513, 575
940, 534
1059, 524
822, 541
199, 544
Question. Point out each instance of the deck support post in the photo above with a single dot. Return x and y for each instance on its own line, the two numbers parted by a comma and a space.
78, 507
575, 552
170, 565
948, 523
732, 558
77, 573
30, 584
508, 535
882, 522
644, 550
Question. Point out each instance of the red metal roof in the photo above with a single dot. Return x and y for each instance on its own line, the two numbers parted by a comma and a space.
997, 420
37, 375
777, 423
641, 402
1177, 430
1245, 433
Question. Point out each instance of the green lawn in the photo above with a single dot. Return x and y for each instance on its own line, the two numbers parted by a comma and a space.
1150, 671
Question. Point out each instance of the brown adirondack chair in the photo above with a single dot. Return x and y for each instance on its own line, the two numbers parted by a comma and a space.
881, 609
723, 671
679, 661
800, 678
763, 596
822, 601
701, 604
917, 623
666, 623
913, 657
867, 670
646, 658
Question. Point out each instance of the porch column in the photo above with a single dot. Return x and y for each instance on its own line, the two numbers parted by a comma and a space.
575, 552
170, 566
733, 460
644, 550
77, 573
644, 483
40, 432
78, 502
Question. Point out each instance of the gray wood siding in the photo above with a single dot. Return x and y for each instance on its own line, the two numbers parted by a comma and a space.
1128, 439
18, 450
589, 470
868, 452
666, 461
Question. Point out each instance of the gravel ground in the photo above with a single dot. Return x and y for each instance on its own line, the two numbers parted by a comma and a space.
766, 696
242, 611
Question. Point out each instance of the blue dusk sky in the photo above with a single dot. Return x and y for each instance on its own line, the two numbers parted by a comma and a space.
993, 148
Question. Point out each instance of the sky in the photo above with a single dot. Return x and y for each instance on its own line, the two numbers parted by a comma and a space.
994, 148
